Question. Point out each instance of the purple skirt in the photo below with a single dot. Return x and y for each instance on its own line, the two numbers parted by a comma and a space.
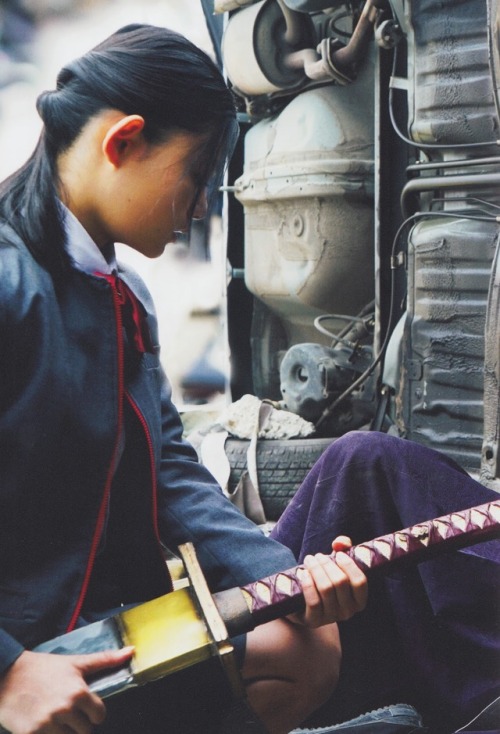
430, 634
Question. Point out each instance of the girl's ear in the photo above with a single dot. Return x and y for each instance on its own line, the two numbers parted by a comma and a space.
122, 137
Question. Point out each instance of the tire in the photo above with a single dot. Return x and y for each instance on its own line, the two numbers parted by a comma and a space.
281, 466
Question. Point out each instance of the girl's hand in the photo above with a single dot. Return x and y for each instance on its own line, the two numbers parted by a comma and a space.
334, 590
47, 694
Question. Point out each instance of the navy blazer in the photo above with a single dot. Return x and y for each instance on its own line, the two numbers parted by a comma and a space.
94, 472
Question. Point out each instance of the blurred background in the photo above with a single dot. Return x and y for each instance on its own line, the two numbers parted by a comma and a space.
37, 37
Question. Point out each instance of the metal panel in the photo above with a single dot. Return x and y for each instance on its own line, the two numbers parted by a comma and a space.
453, 98
440, 394
441, 390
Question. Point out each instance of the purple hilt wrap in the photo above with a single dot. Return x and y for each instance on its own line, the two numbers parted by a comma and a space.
246, 607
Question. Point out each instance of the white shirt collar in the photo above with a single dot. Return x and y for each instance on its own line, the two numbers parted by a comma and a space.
82, 249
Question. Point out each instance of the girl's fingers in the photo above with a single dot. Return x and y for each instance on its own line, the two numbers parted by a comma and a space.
321, 598
311, 594
357, 579
339, 599
332, 591
341, 542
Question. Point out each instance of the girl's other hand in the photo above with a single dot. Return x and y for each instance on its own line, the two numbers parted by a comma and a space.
47, 694
334, 587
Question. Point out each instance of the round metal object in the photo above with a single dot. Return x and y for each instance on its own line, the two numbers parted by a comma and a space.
254, 48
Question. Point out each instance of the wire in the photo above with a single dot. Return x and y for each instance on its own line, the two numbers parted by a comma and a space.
336, 337
365, 311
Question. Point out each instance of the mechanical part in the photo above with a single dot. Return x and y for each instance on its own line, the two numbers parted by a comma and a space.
335, 60
307, 194
319, 65
388, 34
354, 332
458, 163
489, 181
256, 42
309, 237
309, 373
457, 75
312, 376
347, 59
444, 384
269, 48
439, 395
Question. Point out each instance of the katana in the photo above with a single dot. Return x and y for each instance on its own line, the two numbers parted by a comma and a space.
190, 624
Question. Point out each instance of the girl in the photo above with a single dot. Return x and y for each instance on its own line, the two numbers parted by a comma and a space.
94, 474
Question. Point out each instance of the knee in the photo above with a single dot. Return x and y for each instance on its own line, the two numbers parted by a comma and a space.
290, 671
365, 448
319, 670
384, 455
356, 442
314, 659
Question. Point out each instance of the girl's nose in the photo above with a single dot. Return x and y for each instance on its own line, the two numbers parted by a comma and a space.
201, 206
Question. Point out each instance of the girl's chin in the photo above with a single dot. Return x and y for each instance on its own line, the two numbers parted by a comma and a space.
155, 250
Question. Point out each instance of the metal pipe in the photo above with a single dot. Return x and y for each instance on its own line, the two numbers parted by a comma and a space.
428, 183
344, 58
459, 163
311, 62
293, 33
318, 65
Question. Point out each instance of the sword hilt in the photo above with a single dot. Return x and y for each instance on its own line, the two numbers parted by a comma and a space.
281, 594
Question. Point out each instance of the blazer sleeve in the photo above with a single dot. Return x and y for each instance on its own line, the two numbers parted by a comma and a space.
192, 507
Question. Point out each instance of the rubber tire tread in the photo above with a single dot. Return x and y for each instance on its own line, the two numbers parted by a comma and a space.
281, 467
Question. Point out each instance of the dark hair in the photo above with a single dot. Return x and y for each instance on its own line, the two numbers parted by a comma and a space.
141, 69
